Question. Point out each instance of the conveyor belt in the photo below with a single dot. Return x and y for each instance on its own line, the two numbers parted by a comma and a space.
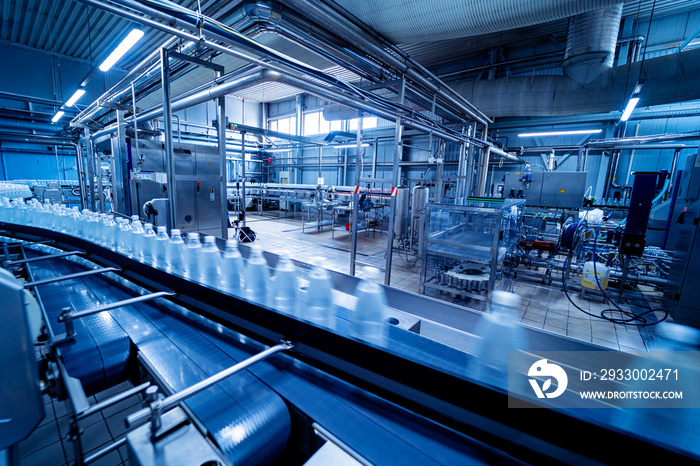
246, 414
248, 421
99, 354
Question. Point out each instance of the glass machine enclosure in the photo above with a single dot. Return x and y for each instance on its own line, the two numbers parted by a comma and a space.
469, 248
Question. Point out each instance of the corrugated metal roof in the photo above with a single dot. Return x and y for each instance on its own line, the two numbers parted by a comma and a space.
75, 30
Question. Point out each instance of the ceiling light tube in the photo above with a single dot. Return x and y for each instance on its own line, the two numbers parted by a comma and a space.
347, 146
121, 49
277, 150
57, 116
560, 133
74, 98
629, 109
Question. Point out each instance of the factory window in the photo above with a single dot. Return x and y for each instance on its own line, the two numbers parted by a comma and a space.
367, 123
286, 125
314, 123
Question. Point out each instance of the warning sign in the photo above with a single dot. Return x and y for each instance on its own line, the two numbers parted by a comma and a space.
562, 190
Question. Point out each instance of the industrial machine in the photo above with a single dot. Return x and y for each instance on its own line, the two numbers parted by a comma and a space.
682, 297
470, 249
198, 205
409, 224
546, 189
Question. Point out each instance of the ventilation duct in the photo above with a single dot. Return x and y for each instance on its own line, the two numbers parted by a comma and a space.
414, 21
590, 43
537, 96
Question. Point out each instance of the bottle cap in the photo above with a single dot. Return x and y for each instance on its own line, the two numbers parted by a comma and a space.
231, 243
505, 299
134, 217
193, 235
175, 231
160, 229
372, 273
148, 225
209, 239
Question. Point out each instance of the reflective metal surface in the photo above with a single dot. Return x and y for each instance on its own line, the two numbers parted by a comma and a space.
21, 403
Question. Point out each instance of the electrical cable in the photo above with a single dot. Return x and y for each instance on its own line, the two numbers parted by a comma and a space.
635, 320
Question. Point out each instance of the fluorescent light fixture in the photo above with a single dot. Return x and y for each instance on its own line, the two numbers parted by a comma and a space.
347, 146
560, 133
57, 116
278, 150
630, 107
121, 49
74, 98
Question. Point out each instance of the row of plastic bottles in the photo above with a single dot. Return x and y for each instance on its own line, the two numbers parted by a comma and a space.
14, 190
203, 262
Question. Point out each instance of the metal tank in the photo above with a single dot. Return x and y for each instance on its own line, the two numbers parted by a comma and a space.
420, 199
401, 216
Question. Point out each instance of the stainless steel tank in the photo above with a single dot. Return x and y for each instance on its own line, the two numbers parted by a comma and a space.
420, 199
401, 218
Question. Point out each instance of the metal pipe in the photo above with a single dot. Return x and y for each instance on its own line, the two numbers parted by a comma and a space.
100, 453
396, 176
42, 258
227, 35
331, 20
71, 276
243, 177
172, 401
168, 137
115, 305
113, 400
483, 171
91, 168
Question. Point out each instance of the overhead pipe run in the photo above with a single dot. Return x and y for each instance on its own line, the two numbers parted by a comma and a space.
371, 103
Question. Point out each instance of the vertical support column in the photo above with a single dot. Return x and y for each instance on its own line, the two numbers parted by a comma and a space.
396, 176
223, 191
299, 109
168, 136
91, 168
356, 195
483, 171
120, 177
81, 174
439, 174
243, 177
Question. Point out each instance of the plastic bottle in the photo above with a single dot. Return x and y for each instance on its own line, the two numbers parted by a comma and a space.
135, 239
148, 244
160, 248
319, 302
232, 268
124, 236
191, 262
74, 218
175, 252
370, 311
286, 286
110, 232
82, 222
257, 276
210, 263
499, 334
